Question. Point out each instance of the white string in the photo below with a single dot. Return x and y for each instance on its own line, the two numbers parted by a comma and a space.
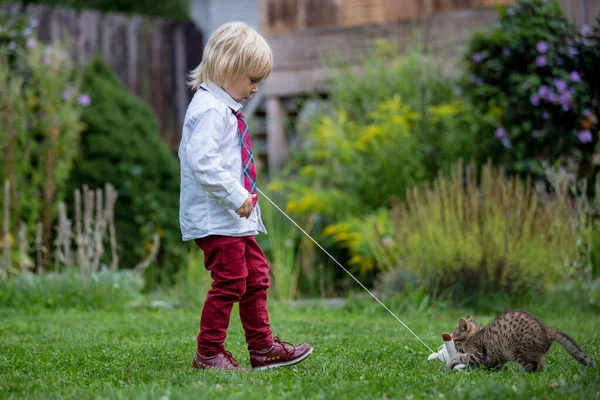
348, 272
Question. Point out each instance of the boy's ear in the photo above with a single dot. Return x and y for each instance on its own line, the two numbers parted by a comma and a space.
463, 325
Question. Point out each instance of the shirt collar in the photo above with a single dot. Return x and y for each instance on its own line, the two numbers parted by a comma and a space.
222, 95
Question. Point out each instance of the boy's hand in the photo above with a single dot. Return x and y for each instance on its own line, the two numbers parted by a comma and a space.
246, 209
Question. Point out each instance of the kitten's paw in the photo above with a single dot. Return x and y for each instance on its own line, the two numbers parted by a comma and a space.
457, 363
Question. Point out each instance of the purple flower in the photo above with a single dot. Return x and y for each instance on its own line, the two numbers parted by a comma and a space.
565, 99
573, 51
472, 78
542, 47
27, 31
478, 57
506, 142
388, 241
85, 100
541, 61
34, 23
535, 100
535, 133
500, 133
585, 136
587, 112
31, 43
66, 95
511, 11
552, 97
561, 85
544, 91
586, 30
575, 77
545, 115
506, 51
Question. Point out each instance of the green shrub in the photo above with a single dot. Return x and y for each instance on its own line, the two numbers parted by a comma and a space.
535, 72
470, 237
121, 145
390, 128
385, 73
102, 289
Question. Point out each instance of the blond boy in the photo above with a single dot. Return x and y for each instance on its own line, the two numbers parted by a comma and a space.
219, 207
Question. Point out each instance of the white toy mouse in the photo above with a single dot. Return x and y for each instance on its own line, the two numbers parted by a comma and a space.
447, 352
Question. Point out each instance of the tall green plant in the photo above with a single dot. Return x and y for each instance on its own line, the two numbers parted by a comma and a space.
469, 235
281, 246
40, 126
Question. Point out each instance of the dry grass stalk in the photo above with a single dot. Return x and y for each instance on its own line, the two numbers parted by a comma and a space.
39, 248
151, 257
24, 261
88, 232
484, 232
79, 241
62, 243
4, 268
109, 209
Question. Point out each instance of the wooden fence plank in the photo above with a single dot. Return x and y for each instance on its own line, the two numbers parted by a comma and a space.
151, 56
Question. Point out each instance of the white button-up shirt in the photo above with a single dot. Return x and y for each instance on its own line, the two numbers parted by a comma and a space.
211, 169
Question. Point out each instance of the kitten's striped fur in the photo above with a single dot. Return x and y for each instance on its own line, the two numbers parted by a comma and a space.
514, 336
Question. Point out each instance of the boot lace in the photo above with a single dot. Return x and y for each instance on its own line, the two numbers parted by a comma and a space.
285, 345
229, 356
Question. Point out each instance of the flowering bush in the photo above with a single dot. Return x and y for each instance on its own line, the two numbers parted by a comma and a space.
40, 110
532, 68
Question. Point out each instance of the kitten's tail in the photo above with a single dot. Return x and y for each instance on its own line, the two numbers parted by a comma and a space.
570, 345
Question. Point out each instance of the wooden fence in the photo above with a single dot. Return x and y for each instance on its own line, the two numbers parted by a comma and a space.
151, 56
281, 16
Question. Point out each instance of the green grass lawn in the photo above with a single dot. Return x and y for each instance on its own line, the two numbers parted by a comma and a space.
357, 354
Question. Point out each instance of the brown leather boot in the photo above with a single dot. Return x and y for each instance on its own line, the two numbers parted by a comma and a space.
223, 360
280, 354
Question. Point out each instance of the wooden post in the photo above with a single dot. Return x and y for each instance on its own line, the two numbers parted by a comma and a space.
277, 146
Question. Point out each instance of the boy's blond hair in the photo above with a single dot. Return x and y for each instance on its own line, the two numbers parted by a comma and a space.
232, 50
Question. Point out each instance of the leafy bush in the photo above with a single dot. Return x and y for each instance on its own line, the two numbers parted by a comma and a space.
100, 290
468, 236
121, 145
40, 124
388, 129
536, 74
385, 73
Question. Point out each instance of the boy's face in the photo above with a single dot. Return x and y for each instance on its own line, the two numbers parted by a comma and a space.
242, 87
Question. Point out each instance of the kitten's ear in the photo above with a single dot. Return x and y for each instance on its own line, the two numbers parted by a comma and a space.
469, 318
463, 325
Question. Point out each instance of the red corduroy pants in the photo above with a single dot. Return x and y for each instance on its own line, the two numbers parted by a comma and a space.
239, 273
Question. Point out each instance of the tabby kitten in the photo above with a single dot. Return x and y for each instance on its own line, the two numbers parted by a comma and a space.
514, 336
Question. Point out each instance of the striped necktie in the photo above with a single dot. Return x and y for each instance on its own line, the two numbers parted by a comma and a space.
247, 157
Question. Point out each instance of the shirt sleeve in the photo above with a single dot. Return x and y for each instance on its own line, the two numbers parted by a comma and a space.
205, 161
